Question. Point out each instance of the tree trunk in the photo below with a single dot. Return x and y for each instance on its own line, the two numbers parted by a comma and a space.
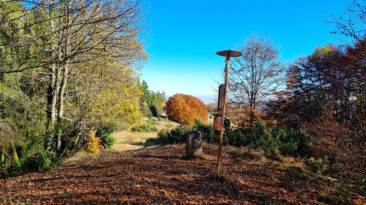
66, 68
61, 104
51, 107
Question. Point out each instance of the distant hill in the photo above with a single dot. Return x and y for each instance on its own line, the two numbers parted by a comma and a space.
212, 107
208, 99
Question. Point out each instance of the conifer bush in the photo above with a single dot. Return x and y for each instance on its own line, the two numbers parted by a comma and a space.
178, 134
185, 109
42, 161
104, 133
274, 140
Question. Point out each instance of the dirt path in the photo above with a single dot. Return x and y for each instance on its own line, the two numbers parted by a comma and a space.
125, 141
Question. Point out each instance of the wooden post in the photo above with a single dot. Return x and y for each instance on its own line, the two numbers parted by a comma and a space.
223, 113
227, 54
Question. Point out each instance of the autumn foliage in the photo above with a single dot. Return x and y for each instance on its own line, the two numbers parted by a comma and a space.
325, 96
185, 108
93, 146
243, 116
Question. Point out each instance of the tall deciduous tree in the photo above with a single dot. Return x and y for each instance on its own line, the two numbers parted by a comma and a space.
102, 91
330, 82
255, 75
354, 64
309, 80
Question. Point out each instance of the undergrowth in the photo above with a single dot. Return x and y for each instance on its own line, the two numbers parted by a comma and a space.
149, 126
105, 135
287, 141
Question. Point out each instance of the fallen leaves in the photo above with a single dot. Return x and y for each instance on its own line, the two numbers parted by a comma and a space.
161, 175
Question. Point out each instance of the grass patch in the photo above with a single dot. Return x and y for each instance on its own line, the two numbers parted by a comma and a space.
152, 121
169, 125
145, 128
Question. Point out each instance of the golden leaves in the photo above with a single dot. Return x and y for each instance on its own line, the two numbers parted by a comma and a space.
92, 147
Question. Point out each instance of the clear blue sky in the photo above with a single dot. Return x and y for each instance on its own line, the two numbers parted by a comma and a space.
184, 35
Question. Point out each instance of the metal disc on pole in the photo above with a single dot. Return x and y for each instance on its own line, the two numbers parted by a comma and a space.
227, 54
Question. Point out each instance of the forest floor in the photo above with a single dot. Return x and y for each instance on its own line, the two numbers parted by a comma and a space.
130, 173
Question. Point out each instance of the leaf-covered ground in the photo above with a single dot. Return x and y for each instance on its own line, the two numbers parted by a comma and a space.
161, 175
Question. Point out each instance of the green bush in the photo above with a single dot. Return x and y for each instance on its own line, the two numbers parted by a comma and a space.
287, 141
297, 138
31, 159
288, 149
237, 138
105, 129
174, 136
27, 155
208, 133
178, 135
105, 135
41, 162
107, 141
259, 136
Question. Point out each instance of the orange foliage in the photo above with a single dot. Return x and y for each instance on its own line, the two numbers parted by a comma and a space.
185, 108
241, 115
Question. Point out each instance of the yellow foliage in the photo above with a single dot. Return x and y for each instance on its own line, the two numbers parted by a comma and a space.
107, 90
93, 147
15, 157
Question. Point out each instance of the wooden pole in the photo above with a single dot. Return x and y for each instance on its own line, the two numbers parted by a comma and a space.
223, 114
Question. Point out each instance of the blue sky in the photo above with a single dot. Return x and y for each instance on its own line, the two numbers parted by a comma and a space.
184, 35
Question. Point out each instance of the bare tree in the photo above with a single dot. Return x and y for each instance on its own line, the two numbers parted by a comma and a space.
255, 75
353, 21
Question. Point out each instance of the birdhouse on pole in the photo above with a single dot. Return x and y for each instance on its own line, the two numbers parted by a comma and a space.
218, 120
